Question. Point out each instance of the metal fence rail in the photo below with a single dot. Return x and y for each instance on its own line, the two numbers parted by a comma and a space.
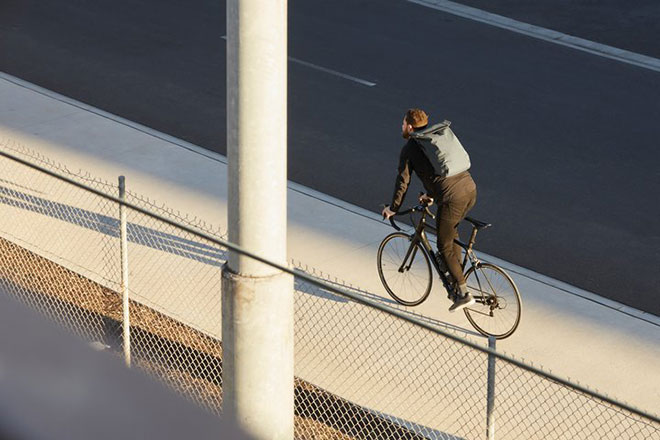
363, 369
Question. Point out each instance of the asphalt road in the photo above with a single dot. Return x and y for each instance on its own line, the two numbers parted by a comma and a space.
563, 143
633, 26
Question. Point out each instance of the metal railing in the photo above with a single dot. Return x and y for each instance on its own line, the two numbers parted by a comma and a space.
364, 369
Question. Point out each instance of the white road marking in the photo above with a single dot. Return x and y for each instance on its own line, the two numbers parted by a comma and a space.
531, 30
333, 72
364, 82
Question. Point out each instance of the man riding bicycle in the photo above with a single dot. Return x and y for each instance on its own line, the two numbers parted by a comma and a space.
441, 163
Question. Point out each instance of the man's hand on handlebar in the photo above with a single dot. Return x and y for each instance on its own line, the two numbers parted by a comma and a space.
387, 213
425, 199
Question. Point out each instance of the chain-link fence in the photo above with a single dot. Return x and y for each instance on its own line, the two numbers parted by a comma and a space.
363, 370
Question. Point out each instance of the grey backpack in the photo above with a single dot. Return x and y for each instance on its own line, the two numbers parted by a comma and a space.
443, 149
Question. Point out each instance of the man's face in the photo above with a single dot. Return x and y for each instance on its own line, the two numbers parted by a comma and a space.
406, 129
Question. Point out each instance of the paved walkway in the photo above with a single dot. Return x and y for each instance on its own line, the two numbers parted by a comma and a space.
574, 333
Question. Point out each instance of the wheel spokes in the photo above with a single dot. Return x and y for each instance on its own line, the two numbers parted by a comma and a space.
404, 271
497, 311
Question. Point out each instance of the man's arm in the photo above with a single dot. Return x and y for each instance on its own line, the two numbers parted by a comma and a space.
402, 180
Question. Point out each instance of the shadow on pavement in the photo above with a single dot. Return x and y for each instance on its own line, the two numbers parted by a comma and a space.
109, 226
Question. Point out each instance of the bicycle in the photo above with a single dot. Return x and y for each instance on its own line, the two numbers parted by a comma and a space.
404, 266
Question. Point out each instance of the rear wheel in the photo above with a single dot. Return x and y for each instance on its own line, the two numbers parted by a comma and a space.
408, 282
498, 306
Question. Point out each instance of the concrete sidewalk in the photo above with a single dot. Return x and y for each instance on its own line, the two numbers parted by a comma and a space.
604, 345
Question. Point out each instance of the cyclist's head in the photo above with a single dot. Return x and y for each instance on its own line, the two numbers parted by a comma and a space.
414, 119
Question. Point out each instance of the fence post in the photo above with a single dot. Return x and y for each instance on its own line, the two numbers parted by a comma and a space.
490, 402
126, 323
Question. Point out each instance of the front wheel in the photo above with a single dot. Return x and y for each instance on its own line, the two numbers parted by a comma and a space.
405, 271
498, 306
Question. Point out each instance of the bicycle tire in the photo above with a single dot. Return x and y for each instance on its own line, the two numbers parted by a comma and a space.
504, 308
411, 286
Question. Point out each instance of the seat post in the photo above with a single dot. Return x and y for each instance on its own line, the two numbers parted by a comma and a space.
473, 237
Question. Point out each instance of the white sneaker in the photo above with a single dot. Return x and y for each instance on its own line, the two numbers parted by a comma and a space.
462, 302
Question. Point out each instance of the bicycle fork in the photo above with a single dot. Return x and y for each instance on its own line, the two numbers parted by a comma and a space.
412, 249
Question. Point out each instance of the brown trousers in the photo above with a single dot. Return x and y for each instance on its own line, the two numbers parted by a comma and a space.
456, 196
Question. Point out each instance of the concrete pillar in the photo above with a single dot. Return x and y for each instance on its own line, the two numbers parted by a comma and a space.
257, 301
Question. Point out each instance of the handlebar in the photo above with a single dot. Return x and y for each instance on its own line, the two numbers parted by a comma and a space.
394, 225
417, 208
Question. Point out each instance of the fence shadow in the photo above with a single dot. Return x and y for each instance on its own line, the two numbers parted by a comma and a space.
182, 247
109, 226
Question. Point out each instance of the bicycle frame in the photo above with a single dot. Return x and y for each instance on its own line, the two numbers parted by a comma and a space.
420, 237
477, 274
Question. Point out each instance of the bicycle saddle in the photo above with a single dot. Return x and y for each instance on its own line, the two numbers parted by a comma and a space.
478, 224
